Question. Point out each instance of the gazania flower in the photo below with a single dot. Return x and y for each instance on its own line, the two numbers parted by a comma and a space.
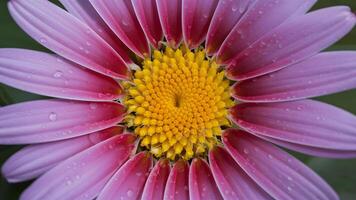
177, 99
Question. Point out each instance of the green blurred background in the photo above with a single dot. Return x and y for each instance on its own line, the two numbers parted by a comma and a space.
340, 174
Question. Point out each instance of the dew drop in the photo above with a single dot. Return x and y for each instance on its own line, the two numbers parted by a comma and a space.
93, 106
124, 23
59, 60
234, 9
129, 193
289, 188
270, 156
43, 41
58, 74
69, 182
52, 116
246, 151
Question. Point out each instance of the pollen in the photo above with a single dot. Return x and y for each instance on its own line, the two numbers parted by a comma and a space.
178, 103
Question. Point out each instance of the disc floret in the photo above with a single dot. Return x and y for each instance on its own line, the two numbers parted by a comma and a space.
178, 103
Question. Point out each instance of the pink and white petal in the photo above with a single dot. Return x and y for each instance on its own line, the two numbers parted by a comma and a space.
292, 42
178, 182
53, 120
278, 173
84, 175
67, 36
34, 160
156, 182
84, 11
50, 75
196, 18
129, 180
305, 122
226, 16
313, 151
170, 15
231, 180
322, 74
260, 18
201, 182
121, 18
147, 15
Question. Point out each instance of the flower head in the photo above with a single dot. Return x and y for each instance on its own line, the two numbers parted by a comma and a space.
177, 99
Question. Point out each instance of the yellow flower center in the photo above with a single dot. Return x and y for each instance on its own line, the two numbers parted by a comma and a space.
178, 103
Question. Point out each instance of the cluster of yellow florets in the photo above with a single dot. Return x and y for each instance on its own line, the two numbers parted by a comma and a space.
178, 103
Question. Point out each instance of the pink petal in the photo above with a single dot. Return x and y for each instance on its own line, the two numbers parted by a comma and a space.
177, 184
170, 15
278, 173
129, 180
292, 42
232, 181
196, 19
260, 18
34, 160
201, 182
156, 182
84, 11
120, 17
53, 120
84, 175
147, 15
51, 75
67, 36
319, 75
307, 122
226, 16
313, 151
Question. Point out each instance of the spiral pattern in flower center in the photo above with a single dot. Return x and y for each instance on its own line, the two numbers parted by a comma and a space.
178, 103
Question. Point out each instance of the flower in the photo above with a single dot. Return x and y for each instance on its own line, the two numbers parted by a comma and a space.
190, 116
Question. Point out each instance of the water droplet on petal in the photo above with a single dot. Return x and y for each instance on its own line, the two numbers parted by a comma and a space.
246, 151
129, 193
124, 23
52, 116
43, 41
93, 106
58, 74
289, 188
69, 182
